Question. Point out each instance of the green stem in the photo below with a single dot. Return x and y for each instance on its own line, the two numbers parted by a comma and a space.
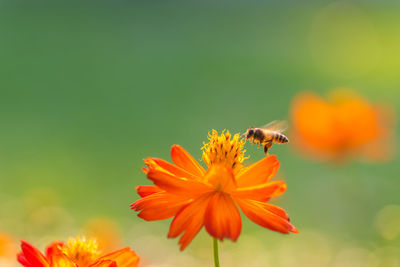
215, 248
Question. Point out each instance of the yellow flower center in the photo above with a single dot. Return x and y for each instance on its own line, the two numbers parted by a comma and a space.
82, 251
222, 150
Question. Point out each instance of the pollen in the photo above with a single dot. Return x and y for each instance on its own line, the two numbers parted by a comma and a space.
221, 149
81, 250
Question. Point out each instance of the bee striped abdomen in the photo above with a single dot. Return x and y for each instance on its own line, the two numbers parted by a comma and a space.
280, 138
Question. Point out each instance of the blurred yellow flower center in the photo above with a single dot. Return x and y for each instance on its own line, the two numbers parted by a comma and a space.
82, 251
222, 150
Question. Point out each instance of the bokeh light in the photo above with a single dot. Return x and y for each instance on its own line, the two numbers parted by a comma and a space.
344, 40
388, 222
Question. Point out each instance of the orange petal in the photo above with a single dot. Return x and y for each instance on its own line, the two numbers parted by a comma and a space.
31, 256
145, 170
259, 172
53, 252
54, 248
62, 260
266, 215
277, 211
56, 256
183, 159
145, 190
222, 218
189, 220
261, 192
21, 259
159, 206
104, 263
221, 178
155, 163
123, 258
177, 185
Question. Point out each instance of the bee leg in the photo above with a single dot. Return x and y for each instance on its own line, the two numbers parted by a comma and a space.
266, 147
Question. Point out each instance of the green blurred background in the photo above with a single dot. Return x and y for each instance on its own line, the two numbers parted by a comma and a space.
88, 89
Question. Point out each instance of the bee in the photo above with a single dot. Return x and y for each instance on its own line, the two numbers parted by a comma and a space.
268, 134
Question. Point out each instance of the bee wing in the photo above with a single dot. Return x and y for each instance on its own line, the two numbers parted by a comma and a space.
276, 126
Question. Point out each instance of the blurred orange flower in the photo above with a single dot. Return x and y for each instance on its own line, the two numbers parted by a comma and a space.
344, 125
196, 197
7, 246
78, 252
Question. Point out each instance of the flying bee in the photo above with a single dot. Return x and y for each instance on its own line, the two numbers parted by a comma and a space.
268, 134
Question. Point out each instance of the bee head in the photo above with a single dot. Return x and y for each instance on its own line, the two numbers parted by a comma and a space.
250, 133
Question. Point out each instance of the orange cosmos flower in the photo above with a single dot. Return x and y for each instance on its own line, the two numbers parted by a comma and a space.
345, 124
78, 252
196, 197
